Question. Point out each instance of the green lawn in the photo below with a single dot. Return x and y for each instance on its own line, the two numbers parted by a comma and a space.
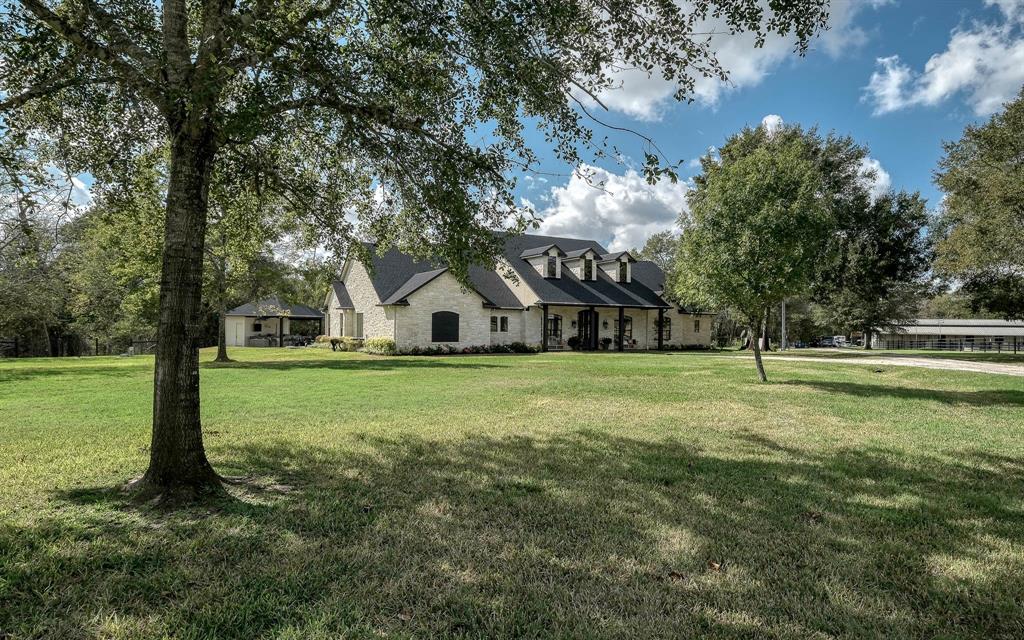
566, 495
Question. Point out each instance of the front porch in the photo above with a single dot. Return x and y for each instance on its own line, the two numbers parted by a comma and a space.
594, 328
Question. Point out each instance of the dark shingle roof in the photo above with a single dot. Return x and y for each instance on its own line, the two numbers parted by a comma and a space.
536, 251
576, 253
396, 276
270, 307
611, 257
344, 300
569, 289
412, 284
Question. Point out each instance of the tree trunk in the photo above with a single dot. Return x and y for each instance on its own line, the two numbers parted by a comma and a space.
222, 335
222, 314
178, 467
867, 339
757, 347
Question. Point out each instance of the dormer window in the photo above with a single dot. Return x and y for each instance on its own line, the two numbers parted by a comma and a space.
588, 269
551, 269
623, 271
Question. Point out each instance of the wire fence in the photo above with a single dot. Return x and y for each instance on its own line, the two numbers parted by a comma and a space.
982, 344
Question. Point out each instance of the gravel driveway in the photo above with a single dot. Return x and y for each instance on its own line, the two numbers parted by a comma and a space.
926, 363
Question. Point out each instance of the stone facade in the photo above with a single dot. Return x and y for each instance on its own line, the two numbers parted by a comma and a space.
377, 321
414, 324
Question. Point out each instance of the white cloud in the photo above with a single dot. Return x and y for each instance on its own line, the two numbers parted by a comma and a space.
646, 96
624, 210
880, 181
771, 123
985, 62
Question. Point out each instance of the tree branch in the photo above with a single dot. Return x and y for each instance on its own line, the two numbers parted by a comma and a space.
105, 54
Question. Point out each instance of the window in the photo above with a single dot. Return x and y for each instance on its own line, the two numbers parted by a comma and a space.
257, 326
504, 324
696, 325
623, 271
629, 327
588, 269
555, 327
444, 326
359, 325
494, 324
551, 268
666, 329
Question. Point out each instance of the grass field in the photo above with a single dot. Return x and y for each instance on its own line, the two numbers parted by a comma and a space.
566, 495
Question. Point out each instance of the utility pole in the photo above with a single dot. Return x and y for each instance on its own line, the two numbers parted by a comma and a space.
785, 338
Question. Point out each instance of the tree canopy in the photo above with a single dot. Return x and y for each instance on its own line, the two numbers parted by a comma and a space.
762, 216
875, 276
981, 221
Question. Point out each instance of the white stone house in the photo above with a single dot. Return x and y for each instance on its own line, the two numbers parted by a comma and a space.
562, 287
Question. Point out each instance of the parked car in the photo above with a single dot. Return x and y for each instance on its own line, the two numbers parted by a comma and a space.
825, 341
839, 341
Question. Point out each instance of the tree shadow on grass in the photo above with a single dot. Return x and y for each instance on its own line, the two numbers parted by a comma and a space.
984, 398
586, 534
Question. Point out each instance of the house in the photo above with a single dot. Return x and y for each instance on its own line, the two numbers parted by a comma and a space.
955, 334
563, 287
269, 322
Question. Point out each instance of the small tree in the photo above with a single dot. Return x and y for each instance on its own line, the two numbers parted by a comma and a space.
759, 220
874, 278
981, 224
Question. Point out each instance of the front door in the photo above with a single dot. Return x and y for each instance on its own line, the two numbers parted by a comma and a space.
586, 324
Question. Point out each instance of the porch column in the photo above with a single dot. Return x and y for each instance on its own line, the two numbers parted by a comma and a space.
595, 326
321, 326
661, 329
280, 331
622, 327
544, 329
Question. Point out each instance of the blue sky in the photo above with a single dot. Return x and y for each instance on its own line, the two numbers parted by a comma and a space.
900, 76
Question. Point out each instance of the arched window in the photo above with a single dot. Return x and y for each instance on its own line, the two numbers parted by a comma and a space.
444, 326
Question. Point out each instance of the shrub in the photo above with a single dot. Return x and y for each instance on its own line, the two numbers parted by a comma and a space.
573, 342
605, 343
380, 346
444, 349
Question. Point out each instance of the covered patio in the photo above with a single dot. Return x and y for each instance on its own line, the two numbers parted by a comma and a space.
272, 323
614, 328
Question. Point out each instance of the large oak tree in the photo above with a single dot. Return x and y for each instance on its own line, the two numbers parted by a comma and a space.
413, 110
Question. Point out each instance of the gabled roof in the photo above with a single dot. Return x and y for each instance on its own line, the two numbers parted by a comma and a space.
613, 257
533, 252
396, 276
568, 289
340, 292
272, 307
579, 253
411, 285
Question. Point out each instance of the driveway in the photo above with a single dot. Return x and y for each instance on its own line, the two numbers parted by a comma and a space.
902, 361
